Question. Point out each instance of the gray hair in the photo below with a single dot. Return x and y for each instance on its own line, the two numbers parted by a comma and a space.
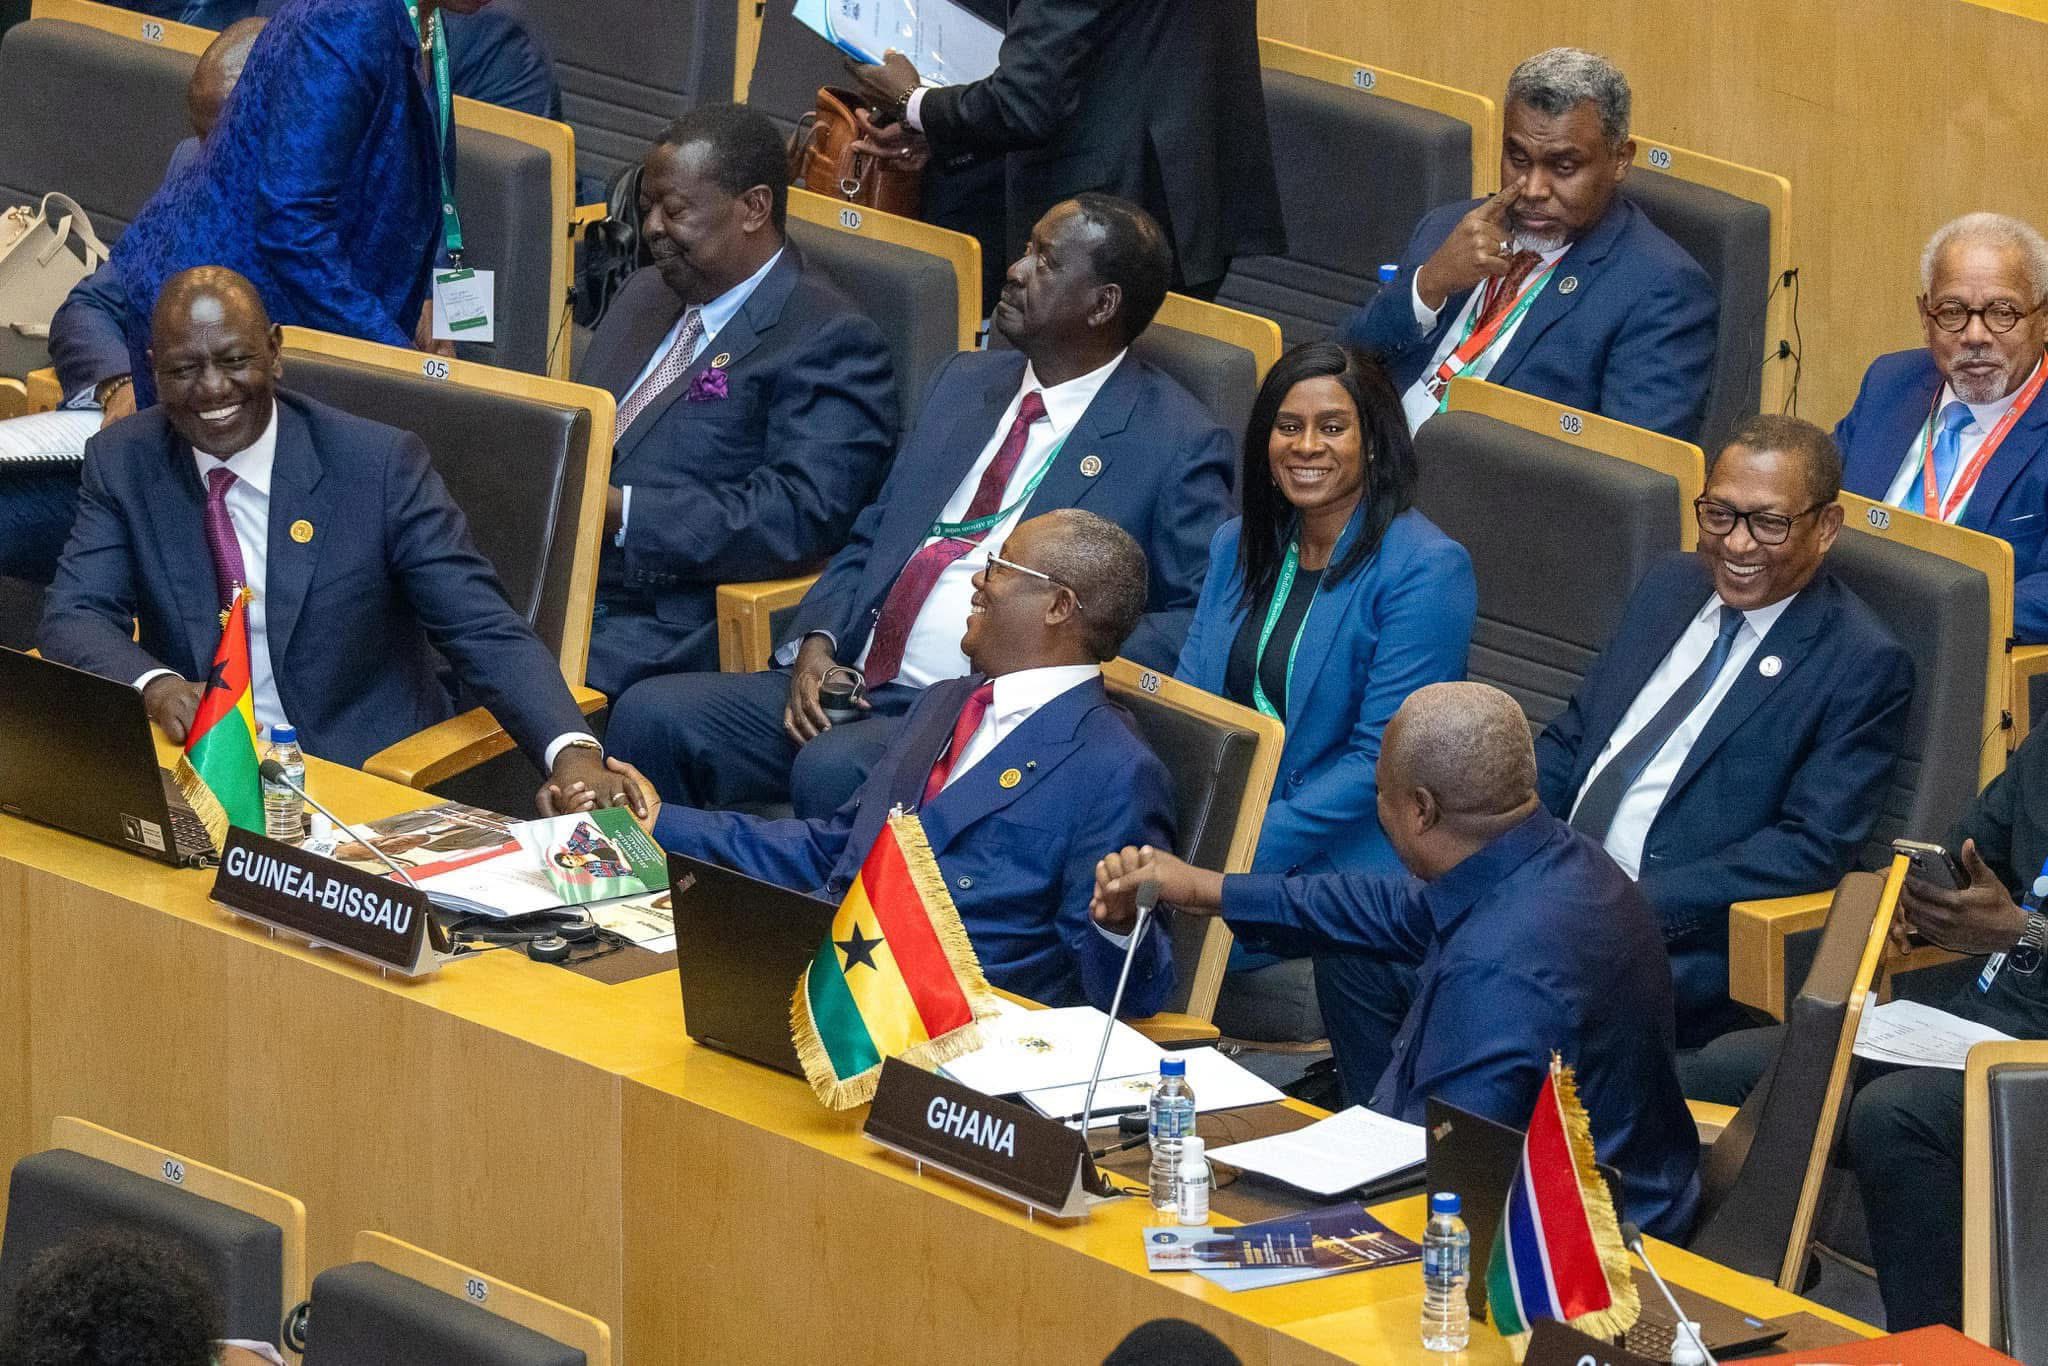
1560, 80
1469, 744
1998, 230
1104, 566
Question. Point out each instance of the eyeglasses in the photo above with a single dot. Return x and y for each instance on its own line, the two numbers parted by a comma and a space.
1953, 315
1765, 528
996, 561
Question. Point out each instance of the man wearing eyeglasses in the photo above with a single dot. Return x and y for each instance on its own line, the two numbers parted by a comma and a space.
1734, 739
1954, 430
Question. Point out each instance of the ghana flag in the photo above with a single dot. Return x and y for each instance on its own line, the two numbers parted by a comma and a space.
217, 771
1558, 1254
895, 977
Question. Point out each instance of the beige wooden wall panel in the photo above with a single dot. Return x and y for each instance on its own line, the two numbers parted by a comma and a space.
1889, 117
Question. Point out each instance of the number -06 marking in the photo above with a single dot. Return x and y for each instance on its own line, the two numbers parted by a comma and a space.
174, 1171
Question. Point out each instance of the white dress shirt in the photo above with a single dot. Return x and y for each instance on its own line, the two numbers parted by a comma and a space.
1907, 485
1418, 403
933, 651
713, 317
1640, 804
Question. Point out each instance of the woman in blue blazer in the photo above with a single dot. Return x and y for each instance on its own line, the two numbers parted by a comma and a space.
1329, 601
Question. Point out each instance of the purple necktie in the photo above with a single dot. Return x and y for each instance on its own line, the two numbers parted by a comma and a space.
220, 536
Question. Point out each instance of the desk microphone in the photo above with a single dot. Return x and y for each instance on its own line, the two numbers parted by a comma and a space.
274, 772
1632, 1239
1148, 898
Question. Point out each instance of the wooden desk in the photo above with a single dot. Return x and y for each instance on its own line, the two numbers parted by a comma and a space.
567, 1136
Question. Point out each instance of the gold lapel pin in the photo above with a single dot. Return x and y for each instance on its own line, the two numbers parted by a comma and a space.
302, 531
1091, 465
721, 360
1569, 284
1011, 777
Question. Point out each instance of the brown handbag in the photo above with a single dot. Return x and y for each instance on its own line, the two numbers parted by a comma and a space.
822, 160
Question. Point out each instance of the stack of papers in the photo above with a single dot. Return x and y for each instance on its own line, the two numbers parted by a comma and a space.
947, 44
1349, 1149
1909, 1034
1030, 1050
1219, 1083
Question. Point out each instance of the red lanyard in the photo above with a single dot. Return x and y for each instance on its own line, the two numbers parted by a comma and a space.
1482, 336
1966, 478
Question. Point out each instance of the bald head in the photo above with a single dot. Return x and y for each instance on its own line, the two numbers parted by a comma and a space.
1465, 742
215, 357
220, 66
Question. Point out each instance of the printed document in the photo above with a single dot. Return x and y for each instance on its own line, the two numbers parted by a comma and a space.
947, 45
1910, 1034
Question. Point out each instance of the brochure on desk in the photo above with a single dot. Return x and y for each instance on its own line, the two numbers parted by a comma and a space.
1296, 1247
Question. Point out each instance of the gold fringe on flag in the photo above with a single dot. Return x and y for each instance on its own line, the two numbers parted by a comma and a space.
204, 804
1621, 1315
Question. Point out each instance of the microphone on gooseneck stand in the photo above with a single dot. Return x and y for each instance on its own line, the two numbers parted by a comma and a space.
274, 772
1632, 1239
1148, 898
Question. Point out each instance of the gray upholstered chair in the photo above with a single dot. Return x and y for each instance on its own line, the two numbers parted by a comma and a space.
790, 63
2005, 1202
504, 191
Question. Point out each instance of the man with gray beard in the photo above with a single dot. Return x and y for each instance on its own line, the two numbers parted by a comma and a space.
1952, 430
1556, 286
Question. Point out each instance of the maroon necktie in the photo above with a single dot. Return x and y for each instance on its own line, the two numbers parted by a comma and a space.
220, 536
971, 713
1520, 265
906, 598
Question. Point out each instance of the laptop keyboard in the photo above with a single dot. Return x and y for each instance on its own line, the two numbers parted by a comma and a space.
189, 837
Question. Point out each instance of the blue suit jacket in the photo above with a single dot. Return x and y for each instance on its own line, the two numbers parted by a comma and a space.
1633, 340
494, 55
2011, 501
1019, 861
1402, 621
1536, 942
389, 568
762, 483
321, 183
1163, 474
1782, 785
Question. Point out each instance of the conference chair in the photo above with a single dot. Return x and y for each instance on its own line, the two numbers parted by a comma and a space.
1562, 512
919, 284
1736, 222
2005, 1202
1224, 759
527, 459
788, 63
250, 1240
397, 1302
1361, 154
1760, 1184
1945, 593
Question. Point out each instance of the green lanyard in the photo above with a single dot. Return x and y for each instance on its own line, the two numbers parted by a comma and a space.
435, 35
1273, 611
968, 530
1507, 326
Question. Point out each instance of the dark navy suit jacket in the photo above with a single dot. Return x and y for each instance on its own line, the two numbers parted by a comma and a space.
1535, 943
1401, 622
2011, 500
1163, 471
761, 483
1019, 861
1632, 338
351, 612
1784, 782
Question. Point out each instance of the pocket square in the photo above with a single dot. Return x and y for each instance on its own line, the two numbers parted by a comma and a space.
708, 385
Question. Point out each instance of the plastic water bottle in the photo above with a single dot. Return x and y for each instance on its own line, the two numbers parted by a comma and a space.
284, 810
1170, 1118
1446, 1266
1194, 1182
1686, 1348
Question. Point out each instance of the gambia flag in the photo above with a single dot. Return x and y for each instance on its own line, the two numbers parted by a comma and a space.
1558, 1254
217, 771
895, 977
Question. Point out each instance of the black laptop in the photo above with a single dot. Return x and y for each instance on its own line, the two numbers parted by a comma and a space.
741, 944
76, 752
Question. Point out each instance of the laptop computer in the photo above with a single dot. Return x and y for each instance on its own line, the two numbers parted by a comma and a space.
741, 945
76, 752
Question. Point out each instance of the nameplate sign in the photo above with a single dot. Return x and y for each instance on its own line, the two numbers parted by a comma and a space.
991, 1143
1553, 1344
379, 920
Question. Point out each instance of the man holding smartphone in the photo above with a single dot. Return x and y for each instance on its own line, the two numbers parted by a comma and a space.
1905, 1133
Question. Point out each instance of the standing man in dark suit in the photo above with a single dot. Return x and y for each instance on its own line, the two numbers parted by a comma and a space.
354, 557
1068, 419
1021, 774
1556, 286
1962, 415
1144, 99
1529, 941
756, 406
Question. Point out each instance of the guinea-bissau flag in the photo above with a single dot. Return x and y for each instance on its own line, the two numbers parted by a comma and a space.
895, 977
1558, 1254
217, 772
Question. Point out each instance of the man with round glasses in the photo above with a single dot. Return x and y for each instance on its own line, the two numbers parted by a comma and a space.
1953, 430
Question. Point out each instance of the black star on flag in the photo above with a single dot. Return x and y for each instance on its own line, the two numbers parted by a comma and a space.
859, 950
217, 680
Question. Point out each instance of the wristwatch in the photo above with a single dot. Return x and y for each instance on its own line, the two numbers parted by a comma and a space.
2025, 956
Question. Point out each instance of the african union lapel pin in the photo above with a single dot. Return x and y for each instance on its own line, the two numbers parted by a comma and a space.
302, 531
1569, 284
1011, 777
721, 360
1091, 465
1769, 665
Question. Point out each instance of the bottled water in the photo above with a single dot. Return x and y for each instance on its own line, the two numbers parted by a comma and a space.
1446, 1266
1194, 1182
1170, 1118
284, 811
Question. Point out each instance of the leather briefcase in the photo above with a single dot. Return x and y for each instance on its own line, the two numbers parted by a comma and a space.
822, 160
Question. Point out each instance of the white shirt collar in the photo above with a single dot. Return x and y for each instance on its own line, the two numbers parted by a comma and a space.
1064, 403
1018, 694
253, 463
1983, 416
1760, 620
726, 307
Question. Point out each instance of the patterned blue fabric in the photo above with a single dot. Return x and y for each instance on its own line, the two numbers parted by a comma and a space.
321, 183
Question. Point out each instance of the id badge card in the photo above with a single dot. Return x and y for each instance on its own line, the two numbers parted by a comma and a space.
464, 305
